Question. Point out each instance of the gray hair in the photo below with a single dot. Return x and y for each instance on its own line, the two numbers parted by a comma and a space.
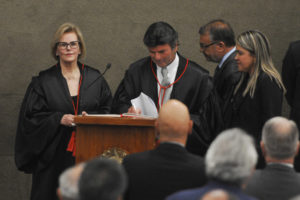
68, 182
231, 157
296, 198
280, 137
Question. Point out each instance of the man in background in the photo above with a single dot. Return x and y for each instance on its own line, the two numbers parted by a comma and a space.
170, 167
291, 80
68, 183
279, 144
217, 43
103, 179
229, 162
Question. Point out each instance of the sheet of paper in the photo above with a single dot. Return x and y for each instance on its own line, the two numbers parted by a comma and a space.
145, 104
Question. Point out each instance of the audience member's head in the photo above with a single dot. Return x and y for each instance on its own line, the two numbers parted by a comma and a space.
231, 157
68, 183
280, 140
173, 123
216, 39
296, 198
103, 179
161, 33
219, 194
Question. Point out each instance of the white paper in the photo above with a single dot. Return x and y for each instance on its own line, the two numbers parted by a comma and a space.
145, 104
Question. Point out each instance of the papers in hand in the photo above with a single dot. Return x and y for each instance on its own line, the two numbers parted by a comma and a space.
145, 104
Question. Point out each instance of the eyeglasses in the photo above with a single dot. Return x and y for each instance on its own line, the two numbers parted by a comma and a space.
204, 46
64, 45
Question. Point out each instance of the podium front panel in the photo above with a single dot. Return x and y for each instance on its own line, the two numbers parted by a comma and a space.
96, 136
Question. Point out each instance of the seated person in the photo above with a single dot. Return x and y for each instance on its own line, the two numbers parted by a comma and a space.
170, 167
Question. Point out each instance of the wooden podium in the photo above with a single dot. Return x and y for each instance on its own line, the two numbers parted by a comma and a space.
96, 134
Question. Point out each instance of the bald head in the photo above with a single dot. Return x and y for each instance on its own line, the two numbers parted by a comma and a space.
280, 138
174, 122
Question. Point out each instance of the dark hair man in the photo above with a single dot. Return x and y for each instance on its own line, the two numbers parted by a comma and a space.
170, 167
164, 75
217, 43
280, 145
103, 179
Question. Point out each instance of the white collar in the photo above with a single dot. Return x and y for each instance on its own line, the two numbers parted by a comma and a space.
226, 56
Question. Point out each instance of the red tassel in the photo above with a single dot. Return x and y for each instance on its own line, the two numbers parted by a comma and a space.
71, 145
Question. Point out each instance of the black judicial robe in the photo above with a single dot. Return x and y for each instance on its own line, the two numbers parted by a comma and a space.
41, 140
194, 89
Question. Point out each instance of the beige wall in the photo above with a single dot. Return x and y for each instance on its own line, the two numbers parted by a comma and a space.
113, 30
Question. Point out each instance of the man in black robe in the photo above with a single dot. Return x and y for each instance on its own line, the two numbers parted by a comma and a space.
186, 82
41, 140
217, 43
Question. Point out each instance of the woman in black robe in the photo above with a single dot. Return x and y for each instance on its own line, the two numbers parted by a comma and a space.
259, 93
45, 141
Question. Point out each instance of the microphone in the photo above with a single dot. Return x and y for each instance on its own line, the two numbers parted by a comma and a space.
101, 74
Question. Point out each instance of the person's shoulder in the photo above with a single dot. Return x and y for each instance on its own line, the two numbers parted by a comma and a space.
47, 74
263, 76
186, 194
91, 69
141, 156
139, 64
295, 45
48, 71
198, 68
195, 67
195, 157
257, 173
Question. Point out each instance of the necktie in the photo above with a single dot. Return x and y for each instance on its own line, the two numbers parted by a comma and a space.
216, 74
165, 82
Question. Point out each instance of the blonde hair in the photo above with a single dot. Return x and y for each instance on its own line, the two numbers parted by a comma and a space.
67, 28
258, 45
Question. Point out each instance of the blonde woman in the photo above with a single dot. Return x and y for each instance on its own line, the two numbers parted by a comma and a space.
45, 141
259, 93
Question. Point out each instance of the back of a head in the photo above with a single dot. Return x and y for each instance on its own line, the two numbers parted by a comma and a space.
219, 30
231, 157
280, 138
68, 182
160, 33
173, 121
103, 179
296, 198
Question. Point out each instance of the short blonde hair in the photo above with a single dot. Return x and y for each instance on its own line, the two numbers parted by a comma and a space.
67, 28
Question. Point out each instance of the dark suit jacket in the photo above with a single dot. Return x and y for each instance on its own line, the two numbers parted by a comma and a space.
226, 78
198, 193
157, 173
274, 182
291, 80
